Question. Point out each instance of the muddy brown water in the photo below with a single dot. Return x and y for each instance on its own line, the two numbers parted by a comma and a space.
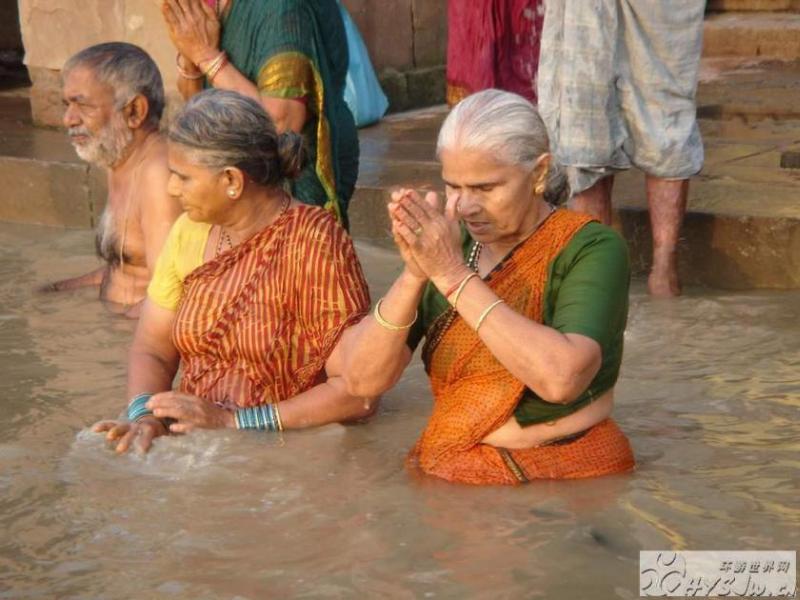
709, 397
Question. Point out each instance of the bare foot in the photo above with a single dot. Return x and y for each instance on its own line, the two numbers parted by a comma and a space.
663, 281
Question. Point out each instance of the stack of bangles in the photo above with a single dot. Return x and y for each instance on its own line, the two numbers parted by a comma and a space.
264, 417
209, 71
456, 292
137, 409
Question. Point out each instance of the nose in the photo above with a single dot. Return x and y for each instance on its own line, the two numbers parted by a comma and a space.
71, 116
174, 186
467, 204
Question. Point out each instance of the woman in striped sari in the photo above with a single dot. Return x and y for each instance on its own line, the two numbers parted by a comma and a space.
290, 55
251, 293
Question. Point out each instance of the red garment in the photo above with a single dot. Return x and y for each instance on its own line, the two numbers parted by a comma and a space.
257, 323
493, 44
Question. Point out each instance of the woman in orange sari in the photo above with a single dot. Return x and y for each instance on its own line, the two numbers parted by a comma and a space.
251, 293
523, 309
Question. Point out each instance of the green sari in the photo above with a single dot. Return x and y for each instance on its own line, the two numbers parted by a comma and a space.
298, 49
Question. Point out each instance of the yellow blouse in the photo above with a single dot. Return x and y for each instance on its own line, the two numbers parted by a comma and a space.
182, 253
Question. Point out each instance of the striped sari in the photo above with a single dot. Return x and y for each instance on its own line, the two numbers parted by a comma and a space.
297, 49
257, 323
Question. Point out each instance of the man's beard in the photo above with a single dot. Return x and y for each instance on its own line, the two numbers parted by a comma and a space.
108, 146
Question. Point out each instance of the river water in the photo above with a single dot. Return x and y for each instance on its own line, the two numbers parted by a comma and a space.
709, 397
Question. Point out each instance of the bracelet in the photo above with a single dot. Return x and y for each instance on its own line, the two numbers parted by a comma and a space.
184, 73
449, 292
390, 326
137, 409
486, 312
461, 287
262, 417
216, 66
277, 416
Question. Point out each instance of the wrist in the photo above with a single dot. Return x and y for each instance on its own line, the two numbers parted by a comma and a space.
204, 57
451, 278
407, 277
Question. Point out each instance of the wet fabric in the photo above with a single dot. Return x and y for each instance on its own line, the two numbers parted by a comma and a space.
256, 324
474, 394
297, 49
586, 292
617, 86
493, 44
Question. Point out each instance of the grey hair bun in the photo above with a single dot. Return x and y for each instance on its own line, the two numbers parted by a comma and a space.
292, 154
557, 189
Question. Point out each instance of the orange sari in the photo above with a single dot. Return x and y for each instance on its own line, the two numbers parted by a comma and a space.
257, 324
474, 394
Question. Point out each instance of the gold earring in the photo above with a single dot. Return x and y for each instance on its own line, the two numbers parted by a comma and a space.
231, 192
539, 189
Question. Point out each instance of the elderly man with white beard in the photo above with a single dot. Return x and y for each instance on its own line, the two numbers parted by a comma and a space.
114, 97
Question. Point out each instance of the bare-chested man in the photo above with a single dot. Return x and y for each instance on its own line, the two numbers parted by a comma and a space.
113, 98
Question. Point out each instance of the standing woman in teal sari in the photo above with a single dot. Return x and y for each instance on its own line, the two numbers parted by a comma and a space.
291, 55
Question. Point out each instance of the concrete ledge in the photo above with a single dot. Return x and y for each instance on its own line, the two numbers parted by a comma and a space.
752, 34
753, 5
50, 193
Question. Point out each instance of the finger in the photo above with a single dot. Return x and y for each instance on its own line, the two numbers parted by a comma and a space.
145, 439
433, 202
418, 201
102, 426
183, 7
174, 412
169, 14
126, 441
176, 9
208, 11
451, 206
408, 236
117, 431
405, 218
416, 210
181, 428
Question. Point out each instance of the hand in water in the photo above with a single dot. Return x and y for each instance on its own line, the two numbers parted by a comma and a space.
140, 434
189, 412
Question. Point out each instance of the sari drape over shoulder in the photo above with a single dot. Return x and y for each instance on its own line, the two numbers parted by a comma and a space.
474, 393
257, 324
298, 49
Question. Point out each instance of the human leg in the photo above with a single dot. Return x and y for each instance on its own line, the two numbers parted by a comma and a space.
595, 200
667, 201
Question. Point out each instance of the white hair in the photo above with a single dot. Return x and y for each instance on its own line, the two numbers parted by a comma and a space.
507, 127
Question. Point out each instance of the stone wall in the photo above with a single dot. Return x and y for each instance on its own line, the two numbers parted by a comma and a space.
406, 39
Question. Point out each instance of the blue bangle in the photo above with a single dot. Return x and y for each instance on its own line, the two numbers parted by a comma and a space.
256, 417
137, 409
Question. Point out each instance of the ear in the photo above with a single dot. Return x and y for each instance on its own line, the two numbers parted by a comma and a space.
232, 180
539, 173
136, 111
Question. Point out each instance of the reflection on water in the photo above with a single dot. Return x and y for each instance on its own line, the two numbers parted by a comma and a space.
709, 397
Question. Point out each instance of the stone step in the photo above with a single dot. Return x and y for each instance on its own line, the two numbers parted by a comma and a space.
753, 5
764, 35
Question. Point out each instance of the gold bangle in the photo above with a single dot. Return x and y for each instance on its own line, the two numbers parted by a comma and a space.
461, 288
212, 73
390, 326
277, 416
211, 69
184, 73
486, 312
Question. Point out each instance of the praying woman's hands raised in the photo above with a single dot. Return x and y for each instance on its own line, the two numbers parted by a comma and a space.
193, 27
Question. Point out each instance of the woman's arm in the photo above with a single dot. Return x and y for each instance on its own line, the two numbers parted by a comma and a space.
195, 32
513, 436
152, 364
374, 356
153, 358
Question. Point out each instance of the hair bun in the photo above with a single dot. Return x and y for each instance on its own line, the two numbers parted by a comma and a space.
292, 154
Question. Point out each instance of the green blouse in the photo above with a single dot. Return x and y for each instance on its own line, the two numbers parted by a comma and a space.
586, 293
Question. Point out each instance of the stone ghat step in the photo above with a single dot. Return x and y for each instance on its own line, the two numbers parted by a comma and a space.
762, 35
753, 5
